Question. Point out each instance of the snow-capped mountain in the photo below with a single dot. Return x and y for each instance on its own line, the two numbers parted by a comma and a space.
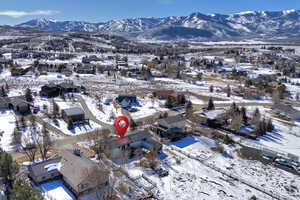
196, 25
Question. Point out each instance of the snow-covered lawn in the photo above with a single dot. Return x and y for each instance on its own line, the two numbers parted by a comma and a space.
67, 104
7, 125
195, 100
145, 108
57, 190
196, 146
63, 126
256, 173
188, 179
285, 138
103, 115
282, 138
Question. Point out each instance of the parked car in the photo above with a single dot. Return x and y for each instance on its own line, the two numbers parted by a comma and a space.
161, 172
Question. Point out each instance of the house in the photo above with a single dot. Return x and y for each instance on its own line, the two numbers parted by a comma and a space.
126, 100
45, 171
68, 87
72, 115
86, 69
172, 127
212, 118
53, 90
286, 109
16, 103
19, 71
80, 174
137, 142
50, 90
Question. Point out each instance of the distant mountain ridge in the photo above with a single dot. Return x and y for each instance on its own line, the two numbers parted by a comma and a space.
197, 25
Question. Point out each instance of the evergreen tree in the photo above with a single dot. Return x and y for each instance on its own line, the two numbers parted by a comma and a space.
70, 125
17, 124
23, 122
24, 191
63, 96
180, 100
270, 126
233, 110
133, 125
236, 122
256, 117
227, 140
16, 137
169, 102
28, 95
199, 76
2, 92
228, 91
244, 115
8, 168
261, 128
211, 89
210, 105
178, 75
188, 108
6, 86
55, 108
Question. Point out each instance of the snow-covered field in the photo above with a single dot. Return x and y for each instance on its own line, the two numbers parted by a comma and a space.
284, 139
146, 107
81, 129
7, 121
189, 179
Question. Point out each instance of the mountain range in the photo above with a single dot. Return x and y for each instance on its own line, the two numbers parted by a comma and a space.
249, 24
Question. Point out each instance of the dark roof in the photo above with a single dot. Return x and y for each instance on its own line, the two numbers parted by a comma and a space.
73, 111
131, 98
16, 100
50, 86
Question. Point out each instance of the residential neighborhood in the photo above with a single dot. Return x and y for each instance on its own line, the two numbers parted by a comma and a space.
213, 120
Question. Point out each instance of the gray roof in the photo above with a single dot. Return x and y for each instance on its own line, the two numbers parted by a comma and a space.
67, 85
170, 120
39, 169
73, 111
16, 100
77, 169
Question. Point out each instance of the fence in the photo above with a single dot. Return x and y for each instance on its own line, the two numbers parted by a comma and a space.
234, 177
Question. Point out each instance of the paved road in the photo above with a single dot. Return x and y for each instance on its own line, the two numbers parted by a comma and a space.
71, 140
90, 115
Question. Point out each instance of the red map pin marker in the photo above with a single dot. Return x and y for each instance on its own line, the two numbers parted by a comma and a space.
121, 125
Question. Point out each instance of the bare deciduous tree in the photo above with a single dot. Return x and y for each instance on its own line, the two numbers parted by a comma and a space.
44, 143
28, 144
98, 140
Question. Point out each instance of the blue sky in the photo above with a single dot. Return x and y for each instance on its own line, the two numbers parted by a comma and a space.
17, 11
